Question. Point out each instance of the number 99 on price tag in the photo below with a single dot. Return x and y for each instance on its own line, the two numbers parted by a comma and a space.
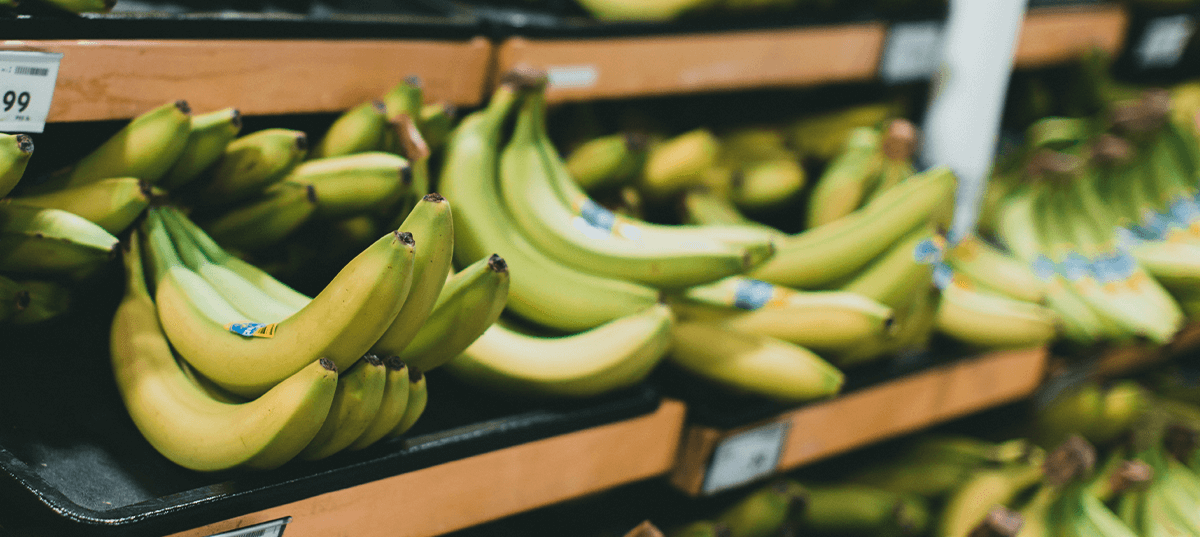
26, 89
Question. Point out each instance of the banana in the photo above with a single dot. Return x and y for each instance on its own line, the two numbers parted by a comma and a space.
612, 356
925, 478
469, 303
993, 321
751, 363
13, 298
251, 163
431, 221
15, 152
837, 249
542, 290
853, 509
891, 278
355, 403
181, 421
1074, 411
768, 184
994, 270
145, 148
609, 161
47, 300
761, 513
1123, 406
847, 180
678, 163
391, 407
41, 241
112, 204
353, 184
704, 206
823, 136
267, 220
637, 10
970, 503
418, 396
898, 144
341, 323
530, 197
753, 143
417, 152
83, 6
404, 98
701, 528
211, 133
437, 120
357, 130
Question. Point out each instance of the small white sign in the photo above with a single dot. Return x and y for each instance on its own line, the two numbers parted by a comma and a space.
572, 76
26, 89
1164, 41
913, 51
744, 457
273, 528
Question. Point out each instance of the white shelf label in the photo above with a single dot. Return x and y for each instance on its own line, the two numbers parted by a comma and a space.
913, 51
744, 457
26, 89
572, 76
273, 528
1165, 39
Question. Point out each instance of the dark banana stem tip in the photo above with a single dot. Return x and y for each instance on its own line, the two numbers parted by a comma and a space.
413, 80
405, 237
394, 363
25, 143
373, 360
379, 106
1131, 475
328, 364
526, 77
433, 197
406, 175
302, 141
235, 118
497, 264
415, 374
1072, 459
22, 299
636, 141
1000, 522
1111, 149
181, 104
900, 140
310, 192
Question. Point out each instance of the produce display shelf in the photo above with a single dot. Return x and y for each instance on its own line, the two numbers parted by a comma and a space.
73, 463
1057, 34
1133, 357
104, 79
864, 414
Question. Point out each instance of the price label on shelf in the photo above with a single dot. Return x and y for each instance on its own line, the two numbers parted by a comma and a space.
26, 89
272, 528
572, 76
744, 457
913, 51
1164, 41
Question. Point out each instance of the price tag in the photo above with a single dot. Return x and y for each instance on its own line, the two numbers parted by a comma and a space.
744, 457
572, 76
913, 51
273, 528
1164, 40
26, 88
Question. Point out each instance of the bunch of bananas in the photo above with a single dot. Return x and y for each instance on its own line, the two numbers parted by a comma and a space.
67, 6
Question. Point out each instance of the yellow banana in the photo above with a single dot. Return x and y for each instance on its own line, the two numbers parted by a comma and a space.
211, 133
992, 269
39, 241
638, 10
852, 509
891, 278
391, 407
678, 163
418, 397
847, 180
358, 130
355, 403
437, 120
353, 184
112, 204
251, 163
608, 161
989, 320
970, 503
266, 220
15, 151
146, 148
763, 512
469, 303
768, 184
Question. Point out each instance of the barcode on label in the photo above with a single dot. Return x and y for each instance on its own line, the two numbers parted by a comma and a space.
31, 71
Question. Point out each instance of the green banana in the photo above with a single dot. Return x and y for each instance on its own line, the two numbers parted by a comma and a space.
970, 503
994, 270
437, 120
47, 300
406, 98
353, 184
890, 278
612, 356
112, 204
211, 133
358, 130
83, 6
704, 206
251, 163
355, 403
763, 512
418, 397
15, 152
767, 184
993, 321
608, 161
391, 407
637, 10
468, 304
181, 421
145, 148
13, 298
267, 220
701, 528
678, 163
847, 180
39, 241
853, 509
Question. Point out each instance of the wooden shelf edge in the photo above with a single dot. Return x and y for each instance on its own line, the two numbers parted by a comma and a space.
1126, 359
867, 416
1057, 35
119, 79
486, 487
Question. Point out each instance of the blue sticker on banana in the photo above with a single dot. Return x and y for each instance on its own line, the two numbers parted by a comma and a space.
752, 294
943, 275
1044, 268
249, 329
930, 251
1075, 267
597, 216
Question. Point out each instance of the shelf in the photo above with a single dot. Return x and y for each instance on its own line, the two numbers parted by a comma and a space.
1056, 35
865, 416
1130, 358
118, 79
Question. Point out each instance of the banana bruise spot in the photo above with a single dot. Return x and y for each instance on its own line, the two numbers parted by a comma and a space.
328, 364
406, 175
25, 143
181, 104
497, 264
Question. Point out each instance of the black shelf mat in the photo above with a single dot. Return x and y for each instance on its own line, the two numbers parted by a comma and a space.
72, 462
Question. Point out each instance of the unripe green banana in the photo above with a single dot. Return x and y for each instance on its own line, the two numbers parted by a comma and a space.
83, 6
112, 204
761, 513
39, 241
47, 300
1073, 411
181, 421
749, 144
13, 298
676, 164
823, 136
847, 180
607, 358
1123, 407
15, 151
264, 221
406, 98
891, 278
926, 478
355, 404
608, 161
251, 163
437, 120
145, 148
211, 133
353, 184
358, 130
468, 304
418, 397
761, 365
851, 509
391, 407
992, 269
767, 184
993, 321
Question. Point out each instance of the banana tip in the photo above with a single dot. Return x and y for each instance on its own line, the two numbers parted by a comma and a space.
415, 374
394, 363
497, 263
301, 142
181, 104
310, 192
235, 118
406, 175
413, 80
433, 197
526, 77
405, 237
328, 364
379, 106
373, 359
25, 143
22, 299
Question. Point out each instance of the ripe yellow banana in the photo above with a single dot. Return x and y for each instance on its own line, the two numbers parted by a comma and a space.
251, 163
994, 270
678, 163
969, 504
823, 136
391, 407
266, 220
854, 509
993, 321
406, 98
15, 151
39, 241
353, 184
112, 204
750, 363
767, 184
186, 425
608, 161
891, 278
146, 148
355, 403
341, 323
609, 357
211, 133
470, 302
418, 397
358, 130
639, 10
704, 206
847, 180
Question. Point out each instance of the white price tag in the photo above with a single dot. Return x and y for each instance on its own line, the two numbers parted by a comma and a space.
572, 76
26, 89
744, 457
1165, 39
913, 51
273, 528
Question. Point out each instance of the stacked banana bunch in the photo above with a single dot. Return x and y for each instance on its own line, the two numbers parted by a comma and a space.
667, 10
66, 6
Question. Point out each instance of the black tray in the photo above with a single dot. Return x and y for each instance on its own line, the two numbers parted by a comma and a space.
72, 462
